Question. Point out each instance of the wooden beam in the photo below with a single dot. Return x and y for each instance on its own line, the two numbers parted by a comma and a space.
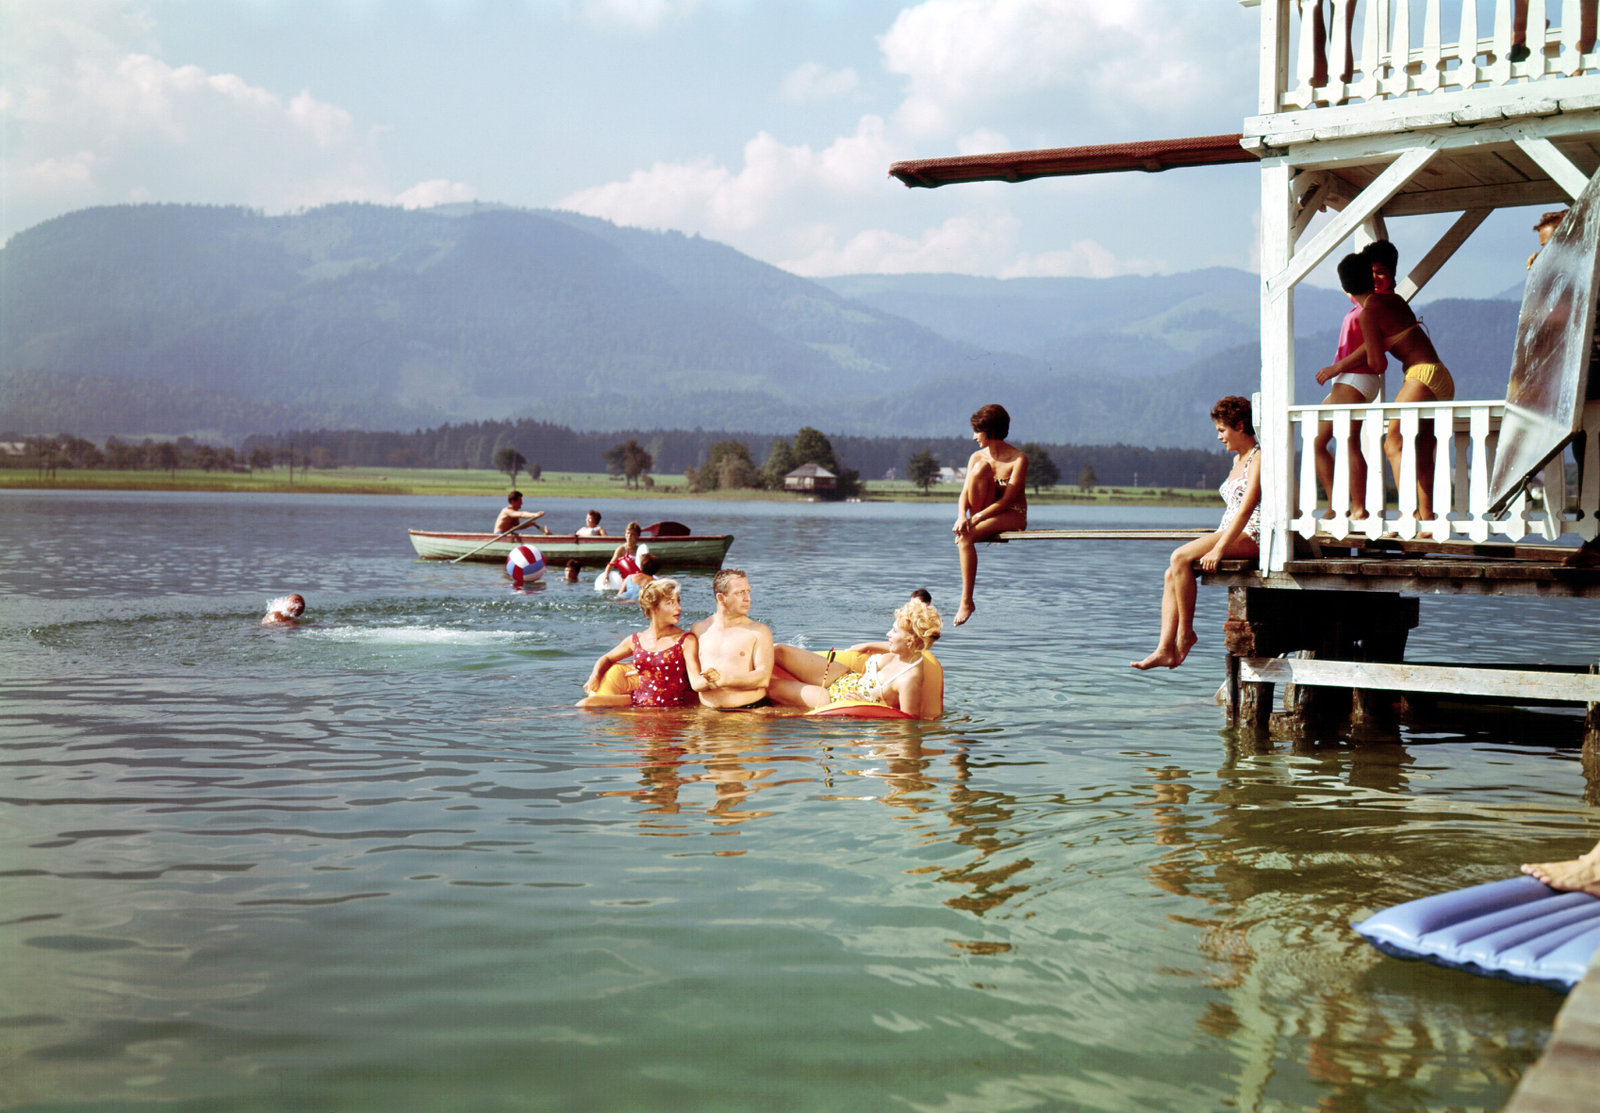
1462, 680
1440, 253
1336, 231
1557, 165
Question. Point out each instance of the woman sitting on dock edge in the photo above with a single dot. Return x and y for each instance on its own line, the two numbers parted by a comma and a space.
993, 499
1238, 537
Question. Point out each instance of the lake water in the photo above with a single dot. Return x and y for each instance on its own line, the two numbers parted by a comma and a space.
380, 863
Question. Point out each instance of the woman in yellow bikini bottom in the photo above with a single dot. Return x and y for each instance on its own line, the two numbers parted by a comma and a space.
1435, 377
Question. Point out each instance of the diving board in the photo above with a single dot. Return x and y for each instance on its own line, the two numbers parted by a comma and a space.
1102, 534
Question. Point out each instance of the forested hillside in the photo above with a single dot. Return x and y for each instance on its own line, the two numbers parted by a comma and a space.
165, 320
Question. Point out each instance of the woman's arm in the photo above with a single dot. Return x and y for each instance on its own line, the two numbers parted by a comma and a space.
1016, 489
698, 680
908, 691
1247, 505
622, 652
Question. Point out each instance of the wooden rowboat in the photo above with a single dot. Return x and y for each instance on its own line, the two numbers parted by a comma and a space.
671, 548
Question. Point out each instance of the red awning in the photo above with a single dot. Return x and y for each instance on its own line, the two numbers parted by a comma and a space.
1022, 166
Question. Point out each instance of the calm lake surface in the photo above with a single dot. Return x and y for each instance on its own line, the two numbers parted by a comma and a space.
380, 863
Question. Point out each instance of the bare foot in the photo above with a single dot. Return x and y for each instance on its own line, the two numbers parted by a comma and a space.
964, 611
1577, 875
1160, 659
1184, 645
1358, 515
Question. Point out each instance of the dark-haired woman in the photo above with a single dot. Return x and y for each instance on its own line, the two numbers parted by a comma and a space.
993, 498
1237, 538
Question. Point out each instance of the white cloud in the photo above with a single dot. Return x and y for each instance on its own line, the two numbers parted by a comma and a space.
90, 121
439, 191
962, 244
69, 172
704, 196
813, 82
962, 57
634, 15
986, 243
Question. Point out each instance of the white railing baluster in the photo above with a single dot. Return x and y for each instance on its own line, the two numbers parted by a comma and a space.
1339, 499
1443, 421
1406, 481
1305, 520
1500, 70
1569, 60
1304, 95
1400, 51
1538, 35
1467, 46
1372, 500
1588, 525
1428, 80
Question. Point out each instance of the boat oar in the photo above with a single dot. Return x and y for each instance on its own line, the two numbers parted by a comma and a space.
496, 537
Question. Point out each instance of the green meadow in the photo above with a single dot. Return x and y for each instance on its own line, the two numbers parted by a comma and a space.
490, 484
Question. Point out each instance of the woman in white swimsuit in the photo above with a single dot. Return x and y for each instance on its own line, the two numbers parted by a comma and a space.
893, 679
1237, 537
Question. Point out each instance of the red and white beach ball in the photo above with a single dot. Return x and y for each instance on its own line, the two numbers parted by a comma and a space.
525, 564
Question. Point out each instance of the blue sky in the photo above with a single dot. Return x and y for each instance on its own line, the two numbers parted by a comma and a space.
765, 124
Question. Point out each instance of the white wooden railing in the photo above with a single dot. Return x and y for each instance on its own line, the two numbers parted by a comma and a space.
1398, 48
1465, 439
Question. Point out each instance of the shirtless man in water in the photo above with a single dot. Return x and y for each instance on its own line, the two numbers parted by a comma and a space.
739, 649
1578, 875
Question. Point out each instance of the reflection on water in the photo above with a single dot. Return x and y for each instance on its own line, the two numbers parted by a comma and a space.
379, 862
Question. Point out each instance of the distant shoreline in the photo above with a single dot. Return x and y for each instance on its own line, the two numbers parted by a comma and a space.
477, 483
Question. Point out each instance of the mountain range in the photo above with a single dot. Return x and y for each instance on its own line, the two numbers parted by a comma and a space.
218, 322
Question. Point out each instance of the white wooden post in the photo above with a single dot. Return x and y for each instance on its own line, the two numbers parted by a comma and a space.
1277, 361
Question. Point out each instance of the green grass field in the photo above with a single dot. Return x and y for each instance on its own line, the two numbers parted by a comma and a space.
490, 484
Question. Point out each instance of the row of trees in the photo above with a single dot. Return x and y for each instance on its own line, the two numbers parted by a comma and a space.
710, 461
729, 465
49, 454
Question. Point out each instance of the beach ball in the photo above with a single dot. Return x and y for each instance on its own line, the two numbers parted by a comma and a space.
524, 564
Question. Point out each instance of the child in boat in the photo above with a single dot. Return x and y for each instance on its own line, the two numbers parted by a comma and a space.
993, 499
666, 656
1238, 535
285, 610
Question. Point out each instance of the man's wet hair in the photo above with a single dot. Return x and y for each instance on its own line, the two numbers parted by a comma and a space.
723, 580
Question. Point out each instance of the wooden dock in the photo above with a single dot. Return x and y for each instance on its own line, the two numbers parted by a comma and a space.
1566, 1079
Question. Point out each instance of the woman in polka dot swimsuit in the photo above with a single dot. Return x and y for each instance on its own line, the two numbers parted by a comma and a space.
666, 657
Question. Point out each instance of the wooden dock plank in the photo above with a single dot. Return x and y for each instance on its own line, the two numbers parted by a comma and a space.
1464, 680
1566, 1079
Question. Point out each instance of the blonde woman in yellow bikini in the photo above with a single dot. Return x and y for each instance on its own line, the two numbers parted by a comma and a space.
1388, 325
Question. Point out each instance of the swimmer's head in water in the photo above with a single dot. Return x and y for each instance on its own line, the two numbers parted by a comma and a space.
287, 606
